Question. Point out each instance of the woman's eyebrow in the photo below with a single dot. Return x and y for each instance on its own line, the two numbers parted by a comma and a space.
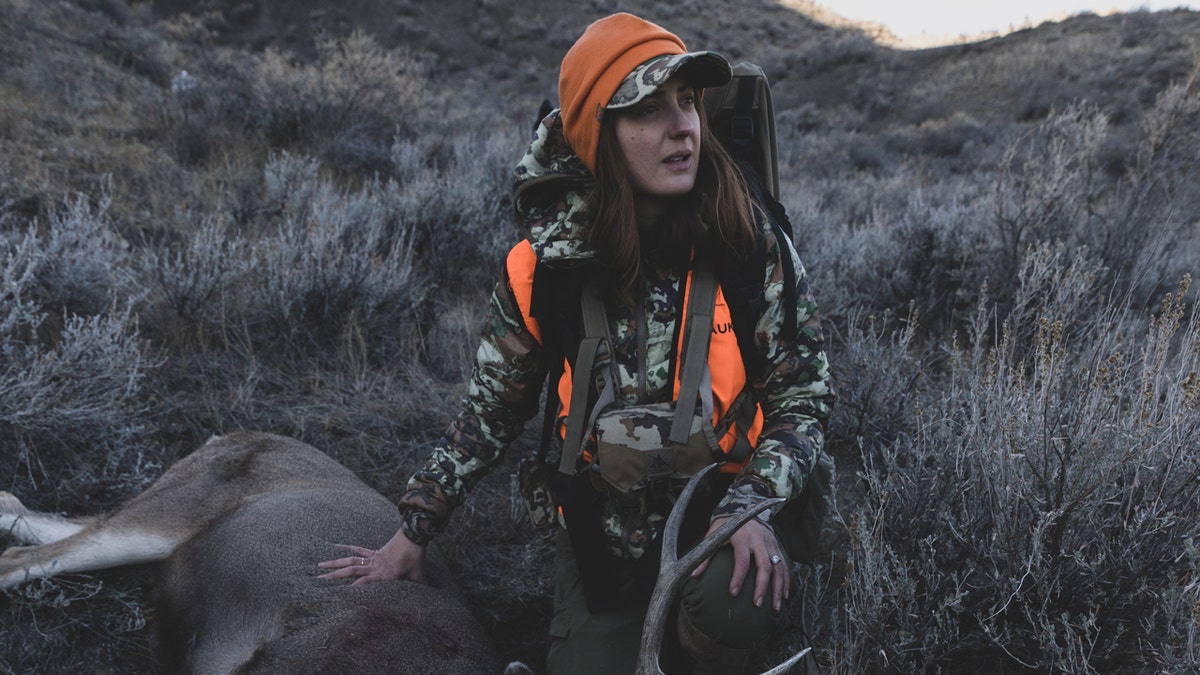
662, 91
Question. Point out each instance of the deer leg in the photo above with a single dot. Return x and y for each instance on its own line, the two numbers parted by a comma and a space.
92, 549
31, 527
75, 546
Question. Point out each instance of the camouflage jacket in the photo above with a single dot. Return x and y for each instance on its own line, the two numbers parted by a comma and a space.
793, 388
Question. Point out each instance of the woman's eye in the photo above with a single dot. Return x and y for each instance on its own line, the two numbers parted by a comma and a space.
647, 110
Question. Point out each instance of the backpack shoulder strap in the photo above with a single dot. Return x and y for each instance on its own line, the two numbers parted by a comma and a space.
555, 304
594, 353
693, 363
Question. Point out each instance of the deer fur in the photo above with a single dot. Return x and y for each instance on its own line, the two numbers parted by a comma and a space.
237, 528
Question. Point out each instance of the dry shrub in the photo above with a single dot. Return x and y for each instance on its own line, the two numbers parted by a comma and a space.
1035, 517
345, 108
72, 411
1048, 185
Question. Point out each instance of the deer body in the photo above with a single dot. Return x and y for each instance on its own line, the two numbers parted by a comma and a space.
239, 526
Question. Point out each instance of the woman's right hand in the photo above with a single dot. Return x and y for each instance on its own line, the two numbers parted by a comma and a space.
400, 558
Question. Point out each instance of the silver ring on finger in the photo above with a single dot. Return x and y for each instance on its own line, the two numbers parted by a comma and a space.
362, 561
775, 560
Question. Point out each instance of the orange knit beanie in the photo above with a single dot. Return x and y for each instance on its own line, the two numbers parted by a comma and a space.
594, 67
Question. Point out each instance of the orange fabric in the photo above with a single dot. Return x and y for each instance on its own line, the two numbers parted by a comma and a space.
724, 358
520, 264
727, 371
594, 67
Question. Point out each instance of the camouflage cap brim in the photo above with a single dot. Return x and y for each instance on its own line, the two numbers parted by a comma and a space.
704, 69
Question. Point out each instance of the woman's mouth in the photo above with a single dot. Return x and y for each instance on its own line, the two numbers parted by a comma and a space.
678, 160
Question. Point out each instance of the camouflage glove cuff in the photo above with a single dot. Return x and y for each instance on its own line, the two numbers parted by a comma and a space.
729, 511
419, 526
745, 496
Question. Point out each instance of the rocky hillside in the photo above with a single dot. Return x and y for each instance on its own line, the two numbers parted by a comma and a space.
85, 85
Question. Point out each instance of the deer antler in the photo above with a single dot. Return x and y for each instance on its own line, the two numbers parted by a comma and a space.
674, 570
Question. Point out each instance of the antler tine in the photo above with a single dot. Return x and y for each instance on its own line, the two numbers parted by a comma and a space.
674, 570
670, 540
783, 667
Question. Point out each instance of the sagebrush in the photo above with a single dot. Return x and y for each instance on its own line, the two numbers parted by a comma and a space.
1003, 254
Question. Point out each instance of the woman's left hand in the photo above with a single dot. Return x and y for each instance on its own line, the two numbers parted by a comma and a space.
755, 541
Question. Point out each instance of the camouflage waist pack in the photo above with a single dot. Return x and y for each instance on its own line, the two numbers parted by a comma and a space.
631, 451
631, 447
639, 471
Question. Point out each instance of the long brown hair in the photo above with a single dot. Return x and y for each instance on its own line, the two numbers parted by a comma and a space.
717, 212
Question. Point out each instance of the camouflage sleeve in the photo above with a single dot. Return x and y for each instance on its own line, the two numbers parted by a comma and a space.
502, 394
793, 390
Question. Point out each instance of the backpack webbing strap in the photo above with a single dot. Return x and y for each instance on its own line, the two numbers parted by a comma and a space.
746, 410
694, 362
572, 444
593, 351
741, 123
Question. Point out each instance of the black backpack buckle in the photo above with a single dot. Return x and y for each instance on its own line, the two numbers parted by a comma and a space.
742, 128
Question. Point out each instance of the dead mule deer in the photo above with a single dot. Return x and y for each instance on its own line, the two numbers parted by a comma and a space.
239, 526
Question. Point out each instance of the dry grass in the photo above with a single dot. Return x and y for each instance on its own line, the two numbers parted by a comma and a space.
302, 241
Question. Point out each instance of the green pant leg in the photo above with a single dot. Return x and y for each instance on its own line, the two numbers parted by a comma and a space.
582, 643
731, 621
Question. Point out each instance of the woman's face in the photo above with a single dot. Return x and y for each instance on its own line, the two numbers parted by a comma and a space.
660, 139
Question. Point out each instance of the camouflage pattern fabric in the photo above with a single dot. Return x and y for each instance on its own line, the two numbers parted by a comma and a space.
632, 446
632, 522
641, 472
534, 484
549, 187
711, 69
662, 300
793, 388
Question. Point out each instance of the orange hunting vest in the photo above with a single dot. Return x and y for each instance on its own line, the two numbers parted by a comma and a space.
725, 364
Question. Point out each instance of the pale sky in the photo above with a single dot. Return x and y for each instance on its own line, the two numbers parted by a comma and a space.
907, 18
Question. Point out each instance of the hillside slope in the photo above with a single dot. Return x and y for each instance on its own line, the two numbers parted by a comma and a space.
85, 87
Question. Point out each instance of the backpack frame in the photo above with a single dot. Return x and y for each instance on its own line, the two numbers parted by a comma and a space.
742, 115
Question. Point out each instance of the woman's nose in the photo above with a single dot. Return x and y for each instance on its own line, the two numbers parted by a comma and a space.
682, 122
